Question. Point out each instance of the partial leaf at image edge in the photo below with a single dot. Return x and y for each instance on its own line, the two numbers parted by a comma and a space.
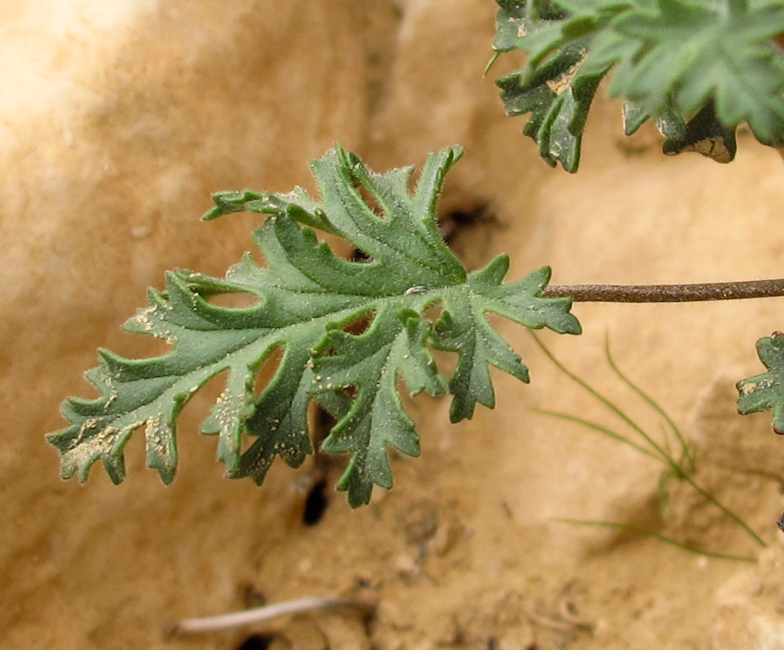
307, 298
713, 65
766, 391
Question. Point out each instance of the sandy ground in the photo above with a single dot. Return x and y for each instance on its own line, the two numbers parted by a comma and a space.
119, 122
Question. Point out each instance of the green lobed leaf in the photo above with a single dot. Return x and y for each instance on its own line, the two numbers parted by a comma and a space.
393, 346
766, 391
553, 86
307, 301
689, 53
464, 328
558, 99
711, 63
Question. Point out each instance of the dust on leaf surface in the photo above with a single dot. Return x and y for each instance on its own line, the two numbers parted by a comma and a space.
306, 299
766, 391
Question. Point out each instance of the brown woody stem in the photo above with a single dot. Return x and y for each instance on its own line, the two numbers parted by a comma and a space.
667, 292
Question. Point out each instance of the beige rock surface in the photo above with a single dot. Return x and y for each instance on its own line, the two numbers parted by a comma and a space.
122, 119
750, 607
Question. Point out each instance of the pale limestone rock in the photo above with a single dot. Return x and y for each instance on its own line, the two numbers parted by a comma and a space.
117, 121
739, 462
750, 607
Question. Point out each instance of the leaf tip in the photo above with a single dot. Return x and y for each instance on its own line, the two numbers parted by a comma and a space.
167, 474
226, 202
114, 466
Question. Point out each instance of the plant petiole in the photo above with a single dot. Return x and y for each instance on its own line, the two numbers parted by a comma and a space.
699, 292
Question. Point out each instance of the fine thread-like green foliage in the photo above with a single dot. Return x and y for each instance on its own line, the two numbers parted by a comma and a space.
640, 530
698, 68
307, 299
676, 455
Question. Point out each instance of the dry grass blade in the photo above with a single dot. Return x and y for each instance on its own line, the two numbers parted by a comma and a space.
264, 614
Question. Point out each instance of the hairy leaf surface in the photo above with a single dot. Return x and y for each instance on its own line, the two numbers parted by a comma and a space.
308, 300
711, 64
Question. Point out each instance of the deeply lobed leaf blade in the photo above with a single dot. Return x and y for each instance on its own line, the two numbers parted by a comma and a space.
464, 329
393, 347
766, 391
712, 58
306, 301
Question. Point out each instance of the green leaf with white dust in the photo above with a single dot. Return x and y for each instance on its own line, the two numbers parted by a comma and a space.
697, 68
766, 391
309, 304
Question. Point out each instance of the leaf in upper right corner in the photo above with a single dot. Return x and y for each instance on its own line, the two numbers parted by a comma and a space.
703, 133
714, 63
686, 53
766, 391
